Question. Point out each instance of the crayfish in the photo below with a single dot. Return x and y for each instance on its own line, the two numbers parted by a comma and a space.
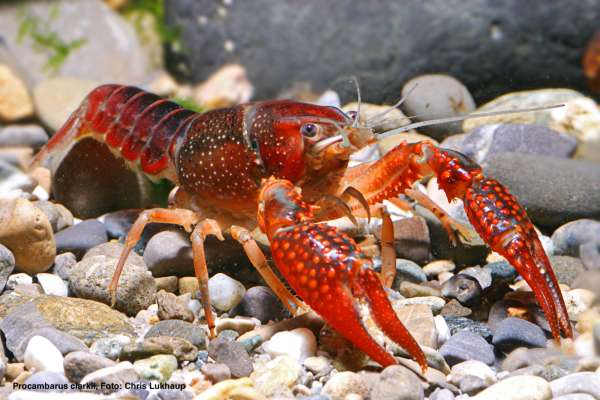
222, 162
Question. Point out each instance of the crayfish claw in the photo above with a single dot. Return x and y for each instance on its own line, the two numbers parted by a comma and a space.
503, 224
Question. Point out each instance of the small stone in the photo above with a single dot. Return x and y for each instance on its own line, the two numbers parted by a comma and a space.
242, 389
118, 223
515, 332
472, 368
57, 382
407, 270
225, 292
463, 288
437, 267
501, 271
233, 354
27, 233
78, 364
260, 302
15, 102
418, 319
188, 284
181, 329
158, 367
172, 307
79, 238
276, 376
436, 95
459, 324
581, 382
226, 87
569, 238
397, 382
63, 265
318, 365
110, 347
60, 218
216, 372
344, 383
298, 343
578, 301
517, 388
435, 303
482, 275
91, 277
169, 253
442, 329
15, 280
52, 284
182, 349
7, 265
441, 394
465, 346
454, 309
111, 379
56, 98
411, 238
29, 135
566, 268
42, 355
167, 283
14, 184
411, 290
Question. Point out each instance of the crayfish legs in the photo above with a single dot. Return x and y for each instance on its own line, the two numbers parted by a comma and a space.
494, 213
327, 270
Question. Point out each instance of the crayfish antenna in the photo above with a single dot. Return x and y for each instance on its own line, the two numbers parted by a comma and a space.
503, 224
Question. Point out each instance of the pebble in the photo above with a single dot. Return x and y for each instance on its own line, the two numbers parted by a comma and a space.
172, 307
515, 332
483, 276
20, 278
79, 238
397, 382
344, 383
169, 253
578, 181
261, 303
181, 329
441, 394
459, 324
517, 388
318, 365
27, 233
409, 271
182, 349
52, 284
437, 267
118, 223
299, 343
60, 218
437, 96
15, 102
226, 87
111, 379
63, 265
418, 319
42, 355
110, 347
411, 239
25, 135
472, 368
233, 354
14, 183
463, 288
225, 292
454, 309
91, 276
159, 367
188, 284
487, 140
466, 345
49, 377
501, 272
216, 372
442, 329
7, 266
566, 268
242, 389
569, 238
276, 376
581, 382
167, 283
78, 364
411, 290
435, 303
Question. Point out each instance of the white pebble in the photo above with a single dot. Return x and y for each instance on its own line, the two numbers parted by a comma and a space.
40, 193
18, 279
52, 284
42, 355
524, 387
225, 292
443, 331
471, 368
299, 344
194, 306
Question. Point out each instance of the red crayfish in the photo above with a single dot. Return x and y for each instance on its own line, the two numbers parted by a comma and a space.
222, 162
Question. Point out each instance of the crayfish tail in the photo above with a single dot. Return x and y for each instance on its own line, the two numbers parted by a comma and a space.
502, 222
385, 317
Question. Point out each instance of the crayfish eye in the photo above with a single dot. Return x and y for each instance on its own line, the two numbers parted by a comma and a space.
309, 130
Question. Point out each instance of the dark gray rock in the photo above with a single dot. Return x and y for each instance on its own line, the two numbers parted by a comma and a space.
581, 239
282, 38
64, 264
463, 288
488, 140
232, 354
407, 270
118, 223
515, 332
23, 136
575, 186
566, 268
57, 381
433, 96
499, 312
185, 330
80, 363
482, 275
465, 346
7, 265
460, 324
260, 302
79, 238
502, 272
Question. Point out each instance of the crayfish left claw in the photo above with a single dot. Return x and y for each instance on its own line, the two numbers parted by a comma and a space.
505, 227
